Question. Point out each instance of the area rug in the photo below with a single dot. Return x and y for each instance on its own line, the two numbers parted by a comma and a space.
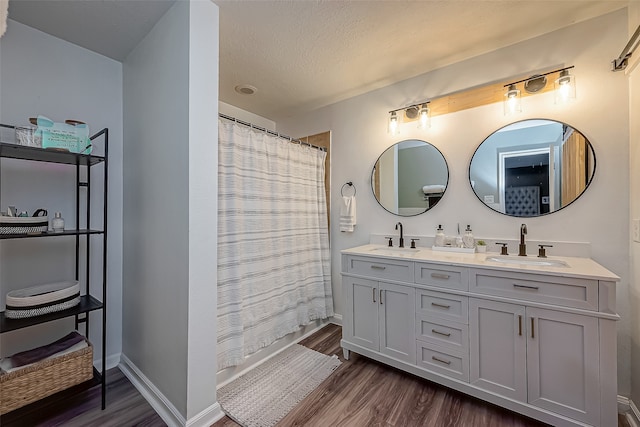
265, 394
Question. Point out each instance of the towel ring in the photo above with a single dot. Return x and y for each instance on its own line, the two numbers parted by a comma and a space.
350, 184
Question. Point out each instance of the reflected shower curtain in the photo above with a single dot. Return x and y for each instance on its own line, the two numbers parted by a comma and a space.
273, 244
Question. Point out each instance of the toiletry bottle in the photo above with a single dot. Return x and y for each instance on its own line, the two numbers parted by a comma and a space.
459, 241
439, 241
467, 239
57, 223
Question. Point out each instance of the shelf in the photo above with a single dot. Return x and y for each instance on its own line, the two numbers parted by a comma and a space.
87, 304
50, 234
31, 413
14, 151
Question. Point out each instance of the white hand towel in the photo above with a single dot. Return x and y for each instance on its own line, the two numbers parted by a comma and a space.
348, 213
433, 189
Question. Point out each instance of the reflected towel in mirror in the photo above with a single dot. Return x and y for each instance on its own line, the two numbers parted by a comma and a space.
433, 189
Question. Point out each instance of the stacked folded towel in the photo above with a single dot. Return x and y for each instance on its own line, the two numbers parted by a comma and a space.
347, 214
67, 344
433, 189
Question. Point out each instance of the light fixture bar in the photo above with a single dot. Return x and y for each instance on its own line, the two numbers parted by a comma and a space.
420, 104
540, 75
621, 62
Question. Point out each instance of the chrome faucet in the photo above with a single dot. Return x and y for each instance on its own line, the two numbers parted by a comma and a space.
401, 235
522, 249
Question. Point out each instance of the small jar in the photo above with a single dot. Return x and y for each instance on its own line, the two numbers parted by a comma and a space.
57, 223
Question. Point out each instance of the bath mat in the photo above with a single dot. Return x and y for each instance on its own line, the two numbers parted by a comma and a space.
265, 394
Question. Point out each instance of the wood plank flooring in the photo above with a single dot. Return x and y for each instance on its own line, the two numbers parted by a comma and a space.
359, 393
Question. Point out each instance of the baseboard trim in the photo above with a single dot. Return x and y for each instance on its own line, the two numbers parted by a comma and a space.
630, 411
158, 401
336, 319
207, 417
112, 361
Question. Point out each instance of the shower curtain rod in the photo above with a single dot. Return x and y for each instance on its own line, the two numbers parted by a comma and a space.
270, 132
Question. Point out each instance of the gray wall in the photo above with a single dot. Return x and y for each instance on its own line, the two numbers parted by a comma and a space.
41, 74
169, 281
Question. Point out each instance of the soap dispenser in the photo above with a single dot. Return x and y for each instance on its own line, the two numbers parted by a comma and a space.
439, 241
467, 239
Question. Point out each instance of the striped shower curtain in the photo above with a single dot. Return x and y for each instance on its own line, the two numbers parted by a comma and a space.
273, 244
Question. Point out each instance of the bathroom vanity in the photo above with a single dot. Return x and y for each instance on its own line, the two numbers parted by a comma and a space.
533, 335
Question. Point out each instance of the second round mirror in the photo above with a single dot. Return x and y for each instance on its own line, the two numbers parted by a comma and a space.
410, 177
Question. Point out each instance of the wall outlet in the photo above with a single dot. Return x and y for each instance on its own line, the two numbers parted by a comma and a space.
635, 230
488, 199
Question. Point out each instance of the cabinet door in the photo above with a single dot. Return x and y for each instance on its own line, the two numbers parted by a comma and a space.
498, 348
397, 321
563, 363
361, 312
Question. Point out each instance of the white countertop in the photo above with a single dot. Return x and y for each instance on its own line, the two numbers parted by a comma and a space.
576, 267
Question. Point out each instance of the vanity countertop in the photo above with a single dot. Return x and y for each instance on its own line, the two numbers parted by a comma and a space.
576, 266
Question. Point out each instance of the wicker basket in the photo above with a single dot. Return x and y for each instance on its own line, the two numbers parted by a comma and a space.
42, 379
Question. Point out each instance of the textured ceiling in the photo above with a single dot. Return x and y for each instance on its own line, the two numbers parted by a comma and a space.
305, 54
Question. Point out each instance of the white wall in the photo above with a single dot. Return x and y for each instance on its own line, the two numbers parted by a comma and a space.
41, 74
246, 116
169, 292
634, 162
601, 112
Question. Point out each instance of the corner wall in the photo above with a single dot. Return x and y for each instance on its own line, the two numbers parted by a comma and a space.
170, 170
601, 113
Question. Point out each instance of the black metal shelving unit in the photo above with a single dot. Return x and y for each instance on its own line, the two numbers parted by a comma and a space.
88, 302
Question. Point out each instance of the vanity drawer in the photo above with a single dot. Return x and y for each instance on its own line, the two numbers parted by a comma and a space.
565, 291
452, 335
381, 268
442, 305
442, 276
437, 359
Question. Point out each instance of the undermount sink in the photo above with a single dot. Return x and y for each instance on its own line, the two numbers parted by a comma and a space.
389, 251
527, 261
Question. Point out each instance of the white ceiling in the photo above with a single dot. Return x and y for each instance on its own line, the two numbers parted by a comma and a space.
305, 54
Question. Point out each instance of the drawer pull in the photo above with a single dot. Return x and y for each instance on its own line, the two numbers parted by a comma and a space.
440, 276
446, 307
380, 297
533, 288
446, 334
374, 294
446, 362
378, 267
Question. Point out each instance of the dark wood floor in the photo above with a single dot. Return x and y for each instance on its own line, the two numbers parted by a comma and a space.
360, 392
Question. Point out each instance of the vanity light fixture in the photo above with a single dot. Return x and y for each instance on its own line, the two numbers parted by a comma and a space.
512, 100
420, 112
565, 87
393, 123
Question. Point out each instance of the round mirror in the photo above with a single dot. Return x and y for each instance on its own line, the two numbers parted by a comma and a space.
532, 168
410, 177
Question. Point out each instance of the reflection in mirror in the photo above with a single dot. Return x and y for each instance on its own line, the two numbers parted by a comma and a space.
532, 168
410, 177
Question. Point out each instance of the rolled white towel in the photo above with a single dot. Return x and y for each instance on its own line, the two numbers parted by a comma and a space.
433, 189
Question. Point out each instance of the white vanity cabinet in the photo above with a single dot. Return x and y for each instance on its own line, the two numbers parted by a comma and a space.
380, 314
547, 358
538, 341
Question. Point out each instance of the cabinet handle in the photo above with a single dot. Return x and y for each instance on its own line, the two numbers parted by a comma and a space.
378, 267
440, 276
533, 288
533, 335
374, 294
446, 307
380, 297
446, 362
446, 334
519, 325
